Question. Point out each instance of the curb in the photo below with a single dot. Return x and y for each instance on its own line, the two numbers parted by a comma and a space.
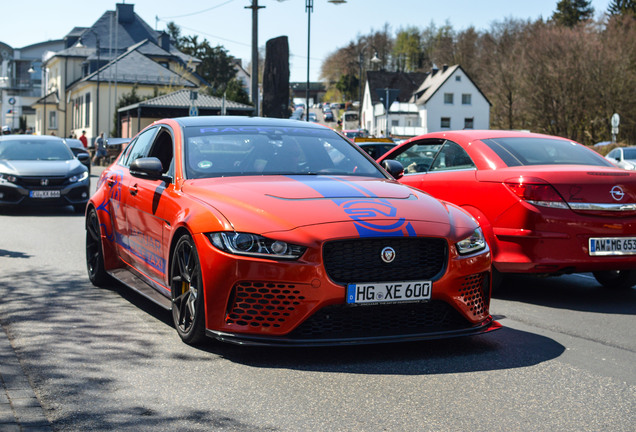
20, 409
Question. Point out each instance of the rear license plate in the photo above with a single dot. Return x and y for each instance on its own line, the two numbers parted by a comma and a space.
612, 246
44, 194
388, 292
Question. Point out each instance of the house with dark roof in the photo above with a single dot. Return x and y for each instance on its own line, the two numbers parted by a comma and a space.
419, 103
99, 64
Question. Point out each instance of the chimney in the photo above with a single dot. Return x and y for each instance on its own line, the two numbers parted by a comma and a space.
444, 68
164, 41
125, 13
434, 70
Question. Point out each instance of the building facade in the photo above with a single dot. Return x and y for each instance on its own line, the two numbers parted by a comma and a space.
442, 99
83, 82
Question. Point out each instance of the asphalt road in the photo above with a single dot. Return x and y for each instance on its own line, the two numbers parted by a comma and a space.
107, 359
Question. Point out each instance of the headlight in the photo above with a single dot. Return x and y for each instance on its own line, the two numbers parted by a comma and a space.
255, 245
474, 243
8, 177
79, 177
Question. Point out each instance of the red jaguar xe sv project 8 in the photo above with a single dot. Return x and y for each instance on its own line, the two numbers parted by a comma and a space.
547, 205
266, 231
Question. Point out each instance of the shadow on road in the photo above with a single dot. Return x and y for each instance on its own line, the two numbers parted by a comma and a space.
73, 337
572, 292
40, 211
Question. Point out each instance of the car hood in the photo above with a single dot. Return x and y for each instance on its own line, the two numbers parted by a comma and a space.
280, 203
39, 167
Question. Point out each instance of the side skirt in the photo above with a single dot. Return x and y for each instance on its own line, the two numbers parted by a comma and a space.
136, 283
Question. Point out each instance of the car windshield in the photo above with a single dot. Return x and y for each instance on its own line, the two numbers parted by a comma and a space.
241, 151
34, 149
520, 151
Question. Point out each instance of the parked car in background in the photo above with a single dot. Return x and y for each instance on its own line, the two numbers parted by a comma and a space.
328, 116
355, 133
269, 231
80, 152
375, 147
547, 205
350, 120
313, 117
41, 171
623, 157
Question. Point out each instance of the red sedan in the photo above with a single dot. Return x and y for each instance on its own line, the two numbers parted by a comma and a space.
547, 205
266, 231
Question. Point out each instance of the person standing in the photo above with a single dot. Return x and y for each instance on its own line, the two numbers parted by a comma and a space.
83, 139
100, 149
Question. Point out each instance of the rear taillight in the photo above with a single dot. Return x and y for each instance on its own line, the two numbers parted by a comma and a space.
537, 192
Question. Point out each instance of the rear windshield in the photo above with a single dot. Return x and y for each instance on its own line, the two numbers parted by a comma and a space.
34, 149
520, 151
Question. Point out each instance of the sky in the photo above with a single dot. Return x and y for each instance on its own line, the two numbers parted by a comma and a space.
228, 23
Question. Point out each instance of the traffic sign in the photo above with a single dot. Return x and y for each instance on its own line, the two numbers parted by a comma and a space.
616, 120
194, 111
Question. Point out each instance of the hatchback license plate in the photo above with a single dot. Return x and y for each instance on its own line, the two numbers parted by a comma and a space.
44, 194
388, 292
612, 246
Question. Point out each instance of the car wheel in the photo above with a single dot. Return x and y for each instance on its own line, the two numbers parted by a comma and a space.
188, 312
616, 279
94, 252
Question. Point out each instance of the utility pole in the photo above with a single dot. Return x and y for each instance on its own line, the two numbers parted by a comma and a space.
255, 99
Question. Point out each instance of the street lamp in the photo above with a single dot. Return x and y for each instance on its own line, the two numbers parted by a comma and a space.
375, 60
309, 8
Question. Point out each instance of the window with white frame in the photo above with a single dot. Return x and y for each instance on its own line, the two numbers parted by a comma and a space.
458, 77
467, 99
52, 120
448, 98
469, 123
445, 123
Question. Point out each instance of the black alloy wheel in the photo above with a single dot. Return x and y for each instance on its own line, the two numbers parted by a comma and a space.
188, 311
94, 253
616, 279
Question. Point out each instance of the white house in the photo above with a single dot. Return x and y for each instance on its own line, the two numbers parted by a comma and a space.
445, 99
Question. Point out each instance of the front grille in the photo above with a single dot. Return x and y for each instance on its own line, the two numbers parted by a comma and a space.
36, 182
343, 321
474, 292
359, 260
262, 304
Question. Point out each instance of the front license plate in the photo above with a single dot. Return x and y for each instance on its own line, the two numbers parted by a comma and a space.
44, 194
388, 292
612, 246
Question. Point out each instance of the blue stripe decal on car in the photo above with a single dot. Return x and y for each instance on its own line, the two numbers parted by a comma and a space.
372, 216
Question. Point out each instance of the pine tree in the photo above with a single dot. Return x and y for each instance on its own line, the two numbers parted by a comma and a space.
622, 7
571, 12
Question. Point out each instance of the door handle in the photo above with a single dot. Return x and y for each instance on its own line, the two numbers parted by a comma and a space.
110, 182
133, 190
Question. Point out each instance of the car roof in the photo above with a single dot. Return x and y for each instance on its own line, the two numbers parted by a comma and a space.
198, 121
30, 138
473, 134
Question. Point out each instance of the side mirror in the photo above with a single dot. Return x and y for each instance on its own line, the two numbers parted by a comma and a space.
149, 168
83, 157
394, 168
